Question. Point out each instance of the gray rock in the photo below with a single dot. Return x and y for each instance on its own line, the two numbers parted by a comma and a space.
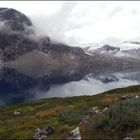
16, 113
47, 130
41, 134
125, 97
95, 110
75, 134
136, 96
105, 109
128, 138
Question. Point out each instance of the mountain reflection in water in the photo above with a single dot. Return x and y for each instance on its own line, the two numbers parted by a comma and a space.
90, 85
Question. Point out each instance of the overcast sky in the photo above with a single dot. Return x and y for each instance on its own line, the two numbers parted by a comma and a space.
83, 22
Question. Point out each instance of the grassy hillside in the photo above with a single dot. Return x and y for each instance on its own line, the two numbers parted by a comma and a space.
65, 114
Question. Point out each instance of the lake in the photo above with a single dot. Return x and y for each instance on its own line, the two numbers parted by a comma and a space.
90, 85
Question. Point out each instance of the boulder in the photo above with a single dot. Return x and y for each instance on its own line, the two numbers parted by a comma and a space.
105, 109
128, 138
75, 134
16, 113
125, 97
41, 134
47, 130
95, 110
136, 96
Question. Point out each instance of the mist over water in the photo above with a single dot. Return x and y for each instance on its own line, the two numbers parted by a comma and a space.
89, 85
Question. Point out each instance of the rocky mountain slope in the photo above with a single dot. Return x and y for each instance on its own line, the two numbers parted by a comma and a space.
29, 61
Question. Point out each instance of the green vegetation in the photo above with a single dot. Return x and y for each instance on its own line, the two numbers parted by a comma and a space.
64, 114
121, 118
72, 117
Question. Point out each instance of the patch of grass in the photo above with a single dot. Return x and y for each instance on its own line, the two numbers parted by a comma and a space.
72, 117
62, 113
126, 90
136, 134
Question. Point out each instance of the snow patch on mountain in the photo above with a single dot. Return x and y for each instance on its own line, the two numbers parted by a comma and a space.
124, 54
127, 45
107, 49
89, 48
129, 49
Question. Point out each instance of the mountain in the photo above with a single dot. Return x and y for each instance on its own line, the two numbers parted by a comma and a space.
90, 47
126, 49
130, 49
127, 45
104, 49
14, 20
132, 52
107, 49
28, 61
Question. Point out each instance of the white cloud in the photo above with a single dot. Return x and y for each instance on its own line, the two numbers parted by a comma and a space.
84, 21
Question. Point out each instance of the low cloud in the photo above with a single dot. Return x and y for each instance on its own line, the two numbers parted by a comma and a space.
83, 22
56, 25
115, 11
76, 23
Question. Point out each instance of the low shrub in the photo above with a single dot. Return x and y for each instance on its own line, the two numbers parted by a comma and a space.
121, 118
72, 117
